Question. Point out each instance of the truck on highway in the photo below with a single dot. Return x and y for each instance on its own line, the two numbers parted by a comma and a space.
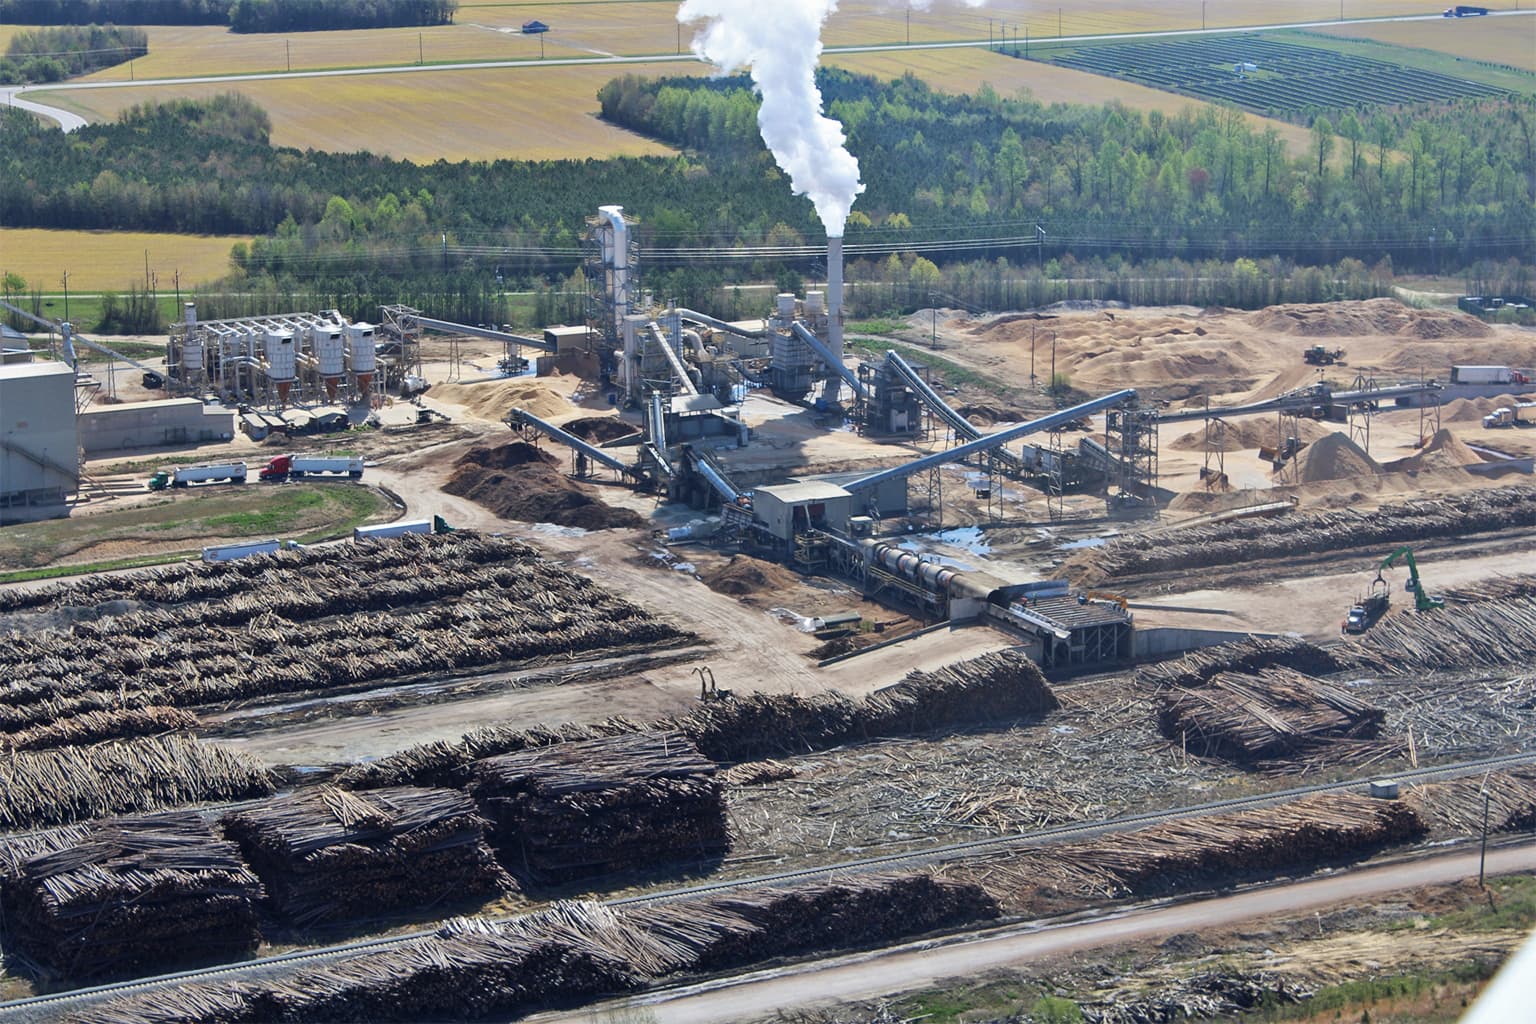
1464, 11
1487, 375
230, 552
183, 476
384, 531
299, 466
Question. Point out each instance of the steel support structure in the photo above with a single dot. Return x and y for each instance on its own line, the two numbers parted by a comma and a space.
1131, 437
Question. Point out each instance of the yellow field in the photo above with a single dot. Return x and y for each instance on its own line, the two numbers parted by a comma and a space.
482, 114
1509, 41
112, 260
964, 70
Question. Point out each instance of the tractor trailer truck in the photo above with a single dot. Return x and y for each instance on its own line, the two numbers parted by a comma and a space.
1487, 375
383, 531
184, 476
299, 466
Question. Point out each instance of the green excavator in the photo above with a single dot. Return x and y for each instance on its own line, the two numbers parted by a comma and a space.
1421, 601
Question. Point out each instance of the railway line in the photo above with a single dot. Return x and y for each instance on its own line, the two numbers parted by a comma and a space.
53, 1006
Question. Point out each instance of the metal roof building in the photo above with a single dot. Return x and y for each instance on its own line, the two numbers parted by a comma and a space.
39, 438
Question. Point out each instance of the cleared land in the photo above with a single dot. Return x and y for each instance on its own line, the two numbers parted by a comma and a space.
965, 70
112, 260
1502, 41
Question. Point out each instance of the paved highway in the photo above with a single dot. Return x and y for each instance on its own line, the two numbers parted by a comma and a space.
15, 95
907, 968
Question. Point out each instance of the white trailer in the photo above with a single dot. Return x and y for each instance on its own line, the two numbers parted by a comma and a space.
231, 471
1484, 375
230, 552
383, 531
326, 465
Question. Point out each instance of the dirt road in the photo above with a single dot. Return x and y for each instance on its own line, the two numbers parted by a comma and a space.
868, 976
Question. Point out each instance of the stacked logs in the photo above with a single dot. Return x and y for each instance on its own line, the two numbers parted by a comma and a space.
54, 787
130, 895
1250, 654
1272, 714
1232, 543
1001, 686
1491, 633
330, 855
624, 802
1508, 798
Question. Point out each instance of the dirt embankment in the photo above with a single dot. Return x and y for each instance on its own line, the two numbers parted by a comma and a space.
518, 481
1372, 316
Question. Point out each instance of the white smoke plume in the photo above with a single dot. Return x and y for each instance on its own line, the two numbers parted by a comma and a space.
780, 42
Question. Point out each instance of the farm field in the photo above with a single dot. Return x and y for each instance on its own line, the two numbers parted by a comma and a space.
481, 114
964, 71
1503, 41
112, 260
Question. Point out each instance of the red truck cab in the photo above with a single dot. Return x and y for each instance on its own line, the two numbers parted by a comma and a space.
277, 469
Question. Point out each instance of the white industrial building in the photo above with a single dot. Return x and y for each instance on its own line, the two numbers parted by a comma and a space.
39, 438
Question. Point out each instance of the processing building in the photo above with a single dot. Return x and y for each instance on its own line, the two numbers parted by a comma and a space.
39, 438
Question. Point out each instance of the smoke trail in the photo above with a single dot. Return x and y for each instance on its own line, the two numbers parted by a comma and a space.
780, 41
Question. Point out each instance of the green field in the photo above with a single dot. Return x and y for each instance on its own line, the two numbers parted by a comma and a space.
184, 521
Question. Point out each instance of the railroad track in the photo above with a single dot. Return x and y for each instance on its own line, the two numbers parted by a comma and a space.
38, 1009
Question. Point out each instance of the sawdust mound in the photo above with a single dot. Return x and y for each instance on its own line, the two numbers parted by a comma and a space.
1444, 451
1371, 316
493, 399
984, 415
1249, 434
1334, 457
518, 481
598, 429
1472, 410
744, 575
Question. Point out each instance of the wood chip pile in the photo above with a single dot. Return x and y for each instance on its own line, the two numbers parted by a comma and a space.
1268, 715
628, 802
1490, 633
1250, 654
54, 787
333, 855
1457, 806
132, 895
1231, 543
340, 616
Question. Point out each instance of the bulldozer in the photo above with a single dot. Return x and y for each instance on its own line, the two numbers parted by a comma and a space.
1319, 355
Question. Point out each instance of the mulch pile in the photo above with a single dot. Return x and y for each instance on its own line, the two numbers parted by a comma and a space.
332, 855
626, 802
597, 429
132, 895
744, 576
518, 481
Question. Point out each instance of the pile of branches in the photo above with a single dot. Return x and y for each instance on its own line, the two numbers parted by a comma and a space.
54, 787
574, 810
298, 621
331, 855
1001, 687
1458, 806
1230, 543
1490, 633
1251, 654
567, 954
132, 895
1265, 716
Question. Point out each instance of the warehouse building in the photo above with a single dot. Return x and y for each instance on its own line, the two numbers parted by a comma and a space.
39, 439
171, 421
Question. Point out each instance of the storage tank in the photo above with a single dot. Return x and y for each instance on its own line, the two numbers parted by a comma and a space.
330, 348
361, 354
282, 361
814, 304
786, 304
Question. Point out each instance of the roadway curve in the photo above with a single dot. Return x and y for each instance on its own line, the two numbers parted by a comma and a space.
70, 121
906, 968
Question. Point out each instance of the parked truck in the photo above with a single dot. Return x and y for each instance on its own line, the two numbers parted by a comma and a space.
384, 531
1371, 607
1503, 416
183, 476
299, 466
230, 552
1487, 375
1464, 11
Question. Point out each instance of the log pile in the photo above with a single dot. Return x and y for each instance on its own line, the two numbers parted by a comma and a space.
1458, 806
1004, 686
759, 725
332, 855
1490, 633
1232, 543
132, 895
54, 787
1251, 654
1268, 715
300, 621
575, 810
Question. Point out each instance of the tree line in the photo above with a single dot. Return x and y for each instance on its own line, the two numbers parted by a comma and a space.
53, 54
239, 15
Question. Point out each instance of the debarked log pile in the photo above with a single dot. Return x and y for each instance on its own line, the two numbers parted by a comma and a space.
629, 802
1488, 633
131, 895
332, 855
1508, 798
1250, 654
1267, 715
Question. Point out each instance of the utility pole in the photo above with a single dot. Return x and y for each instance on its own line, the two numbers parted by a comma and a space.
1058, 23
178, 290
1032, 378
445, 254
66, 295
288, 53
909, 22
421, 50
933, 339
1482, 858
1053, 363
146, 268
989, 33
1202, 15
1026, 40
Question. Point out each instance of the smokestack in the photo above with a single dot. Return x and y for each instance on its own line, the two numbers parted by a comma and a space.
190, 312
835, 295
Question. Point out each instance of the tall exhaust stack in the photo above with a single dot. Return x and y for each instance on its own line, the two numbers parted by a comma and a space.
835, 295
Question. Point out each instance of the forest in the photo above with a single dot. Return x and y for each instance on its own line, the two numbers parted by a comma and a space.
239, 15
53, 54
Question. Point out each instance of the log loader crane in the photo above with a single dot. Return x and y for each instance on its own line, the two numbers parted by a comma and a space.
1421, 601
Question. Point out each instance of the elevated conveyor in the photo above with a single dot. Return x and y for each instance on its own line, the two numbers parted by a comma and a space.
719, 325
678, 369
70, 338
705, 465
961, 426
990, 441
522, 418
830, 358
449, 327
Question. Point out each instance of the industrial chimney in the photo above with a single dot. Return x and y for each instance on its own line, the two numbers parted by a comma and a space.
835, 295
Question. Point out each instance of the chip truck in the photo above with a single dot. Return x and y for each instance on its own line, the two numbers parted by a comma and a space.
299, 466
183, 476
